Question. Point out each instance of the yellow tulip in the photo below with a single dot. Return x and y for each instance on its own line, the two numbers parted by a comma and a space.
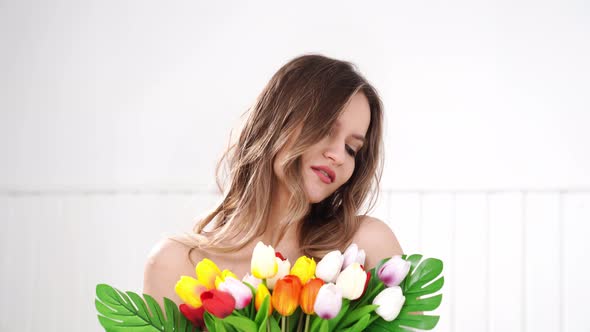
261, 294
304, 268
189, 290
207, 272
263, 264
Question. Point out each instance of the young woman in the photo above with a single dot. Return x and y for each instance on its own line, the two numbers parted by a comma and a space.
308, 158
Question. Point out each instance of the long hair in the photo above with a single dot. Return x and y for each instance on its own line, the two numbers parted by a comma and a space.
304, 98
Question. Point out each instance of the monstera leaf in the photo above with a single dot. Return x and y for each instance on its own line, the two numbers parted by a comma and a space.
129, 312
415, 290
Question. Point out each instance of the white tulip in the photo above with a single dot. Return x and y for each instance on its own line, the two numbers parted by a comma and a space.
352, 281
284, 268
353, 254
390, 302
330, 266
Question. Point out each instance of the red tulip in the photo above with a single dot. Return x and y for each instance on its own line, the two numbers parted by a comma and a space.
194, 315
309, 292
218, 303
366, 282
285, 296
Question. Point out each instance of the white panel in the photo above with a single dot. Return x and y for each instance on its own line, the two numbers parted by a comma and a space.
471, 251
11, 270
506, 262
382, 207
83, 240
576, 289
406, 219
437, 241
542, 262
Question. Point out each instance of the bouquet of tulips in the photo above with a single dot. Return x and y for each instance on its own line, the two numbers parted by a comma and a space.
336, 294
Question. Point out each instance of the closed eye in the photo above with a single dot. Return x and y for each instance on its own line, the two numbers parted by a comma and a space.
350, 151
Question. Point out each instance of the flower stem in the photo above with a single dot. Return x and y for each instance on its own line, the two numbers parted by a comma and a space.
283, 324
306, 323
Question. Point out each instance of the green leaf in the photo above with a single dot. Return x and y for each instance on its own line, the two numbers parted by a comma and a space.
360, 325
332, 323
262, 313
296, 319
241, 323
128, 311
210, 322
424, 278
274, 324
324, 326
262, 325
155, 310
355, 315
219, 327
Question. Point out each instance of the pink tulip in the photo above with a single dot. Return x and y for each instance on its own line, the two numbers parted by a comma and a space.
353, 254
393, 272
328, 302
252, 280
241, 293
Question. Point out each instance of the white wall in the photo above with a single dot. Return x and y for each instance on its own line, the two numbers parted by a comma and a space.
113, 113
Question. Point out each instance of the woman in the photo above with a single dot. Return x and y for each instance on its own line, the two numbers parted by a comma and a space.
307, 158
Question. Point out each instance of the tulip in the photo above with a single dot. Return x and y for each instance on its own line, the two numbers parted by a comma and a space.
309, 293
283, 270
390, 302
189, 290
393, 272
285, 296
241, 293
221, 278
263, 264
252, 280
304, 268
207, 272
366, 282
219, 304
194, 315
353, 254
261, 294
330, 266
328, 301
352, 281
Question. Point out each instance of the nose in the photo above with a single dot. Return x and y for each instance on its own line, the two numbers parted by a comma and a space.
336, 153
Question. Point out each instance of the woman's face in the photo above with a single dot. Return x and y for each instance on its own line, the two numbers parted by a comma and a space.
329, 163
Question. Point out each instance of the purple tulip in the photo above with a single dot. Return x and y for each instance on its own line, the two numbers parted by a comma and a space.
328, 301
393, 272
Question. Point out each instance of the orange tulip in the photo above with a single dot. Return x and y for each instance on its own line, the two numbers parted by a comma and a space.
308, 294
261, 293
285, 296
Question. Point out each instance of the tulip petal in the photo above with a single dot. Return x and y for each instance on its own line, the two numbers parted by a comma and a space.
207, 271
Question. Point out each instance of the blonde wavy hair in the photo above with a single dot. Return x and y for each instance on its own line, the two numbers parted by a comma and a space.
304, 98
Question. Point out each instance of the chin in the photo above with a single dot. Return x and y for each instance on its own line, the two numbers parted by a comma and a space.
314, 195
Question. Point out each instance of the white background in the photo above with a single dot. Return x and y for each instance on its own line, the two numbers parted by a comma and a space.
113, 115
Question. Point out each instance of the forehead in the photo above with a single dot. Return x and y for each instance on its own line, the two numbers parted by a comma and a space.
356, 116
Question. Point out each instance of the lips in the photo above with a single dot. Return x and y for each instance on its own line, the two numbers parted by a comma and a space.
322, 171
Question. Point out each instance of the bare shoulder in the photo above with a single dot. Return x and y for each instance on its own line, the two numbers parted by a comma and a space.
165, 264
377, 239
